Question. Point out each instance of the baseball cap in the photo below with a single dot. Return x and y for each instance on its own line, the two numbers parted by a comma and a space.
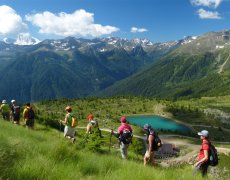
123, 119
203, 133
147, 127
90, 116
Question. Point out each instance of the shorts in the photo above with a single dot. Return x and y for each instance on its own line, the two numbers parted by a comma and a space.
30, 122
16, 118
203, 168
68, 131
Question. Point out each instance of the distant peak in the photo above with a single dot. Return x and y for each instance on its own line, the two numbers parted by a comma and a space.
26, 39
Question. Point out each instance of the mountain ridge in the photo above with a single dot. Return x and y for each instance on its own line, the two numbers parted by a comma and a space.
76, 67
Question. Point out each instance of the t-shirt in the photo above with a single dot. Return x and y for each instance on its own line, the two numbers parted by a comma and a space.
123, 127
204, 146
25, 113
5, 108
69, 119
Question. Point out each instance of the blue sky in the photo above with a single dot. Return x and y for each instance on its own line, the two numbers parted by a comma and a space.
157, 20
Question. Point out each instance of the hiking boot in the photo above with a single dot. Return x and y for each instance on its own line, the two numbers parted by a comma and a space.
72, 140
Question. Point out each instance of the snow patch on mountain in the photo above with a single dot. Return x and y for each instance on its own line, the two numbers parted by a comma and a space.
9, 40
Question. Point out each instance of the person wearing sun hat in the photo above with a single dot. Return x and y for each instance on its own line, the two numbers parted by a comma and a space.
5, 109
203, 156
69, 131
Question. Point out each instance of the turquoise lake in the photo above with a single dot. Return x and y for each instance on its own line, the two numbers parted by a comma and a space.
158, 123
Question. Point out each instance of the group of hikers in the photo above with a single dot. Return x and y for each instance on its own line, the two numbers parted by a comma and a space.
12, 111
124, 133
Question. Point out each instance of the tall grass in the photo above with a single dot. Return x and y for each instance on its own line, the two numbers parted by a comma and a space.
43, 154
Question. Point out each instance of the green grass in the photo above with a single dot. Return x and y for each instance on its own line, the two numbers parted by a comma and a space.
42, 154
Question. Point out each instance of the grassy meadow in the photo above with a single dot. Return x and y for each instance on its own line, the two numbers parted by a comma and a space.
44, 153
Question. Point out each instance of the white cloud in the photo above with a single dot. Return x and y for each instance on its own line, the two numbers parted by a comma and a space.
203, 14
208, 3
79, 23
10, 21
138, 30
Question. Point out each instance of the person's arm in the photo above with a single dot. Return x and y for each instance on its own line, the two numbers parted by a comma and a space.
66, 119
24, 114
150, 141
116, 134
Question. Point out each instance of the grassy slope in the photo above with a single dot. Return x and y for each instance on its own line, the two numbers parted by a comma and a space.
42, 154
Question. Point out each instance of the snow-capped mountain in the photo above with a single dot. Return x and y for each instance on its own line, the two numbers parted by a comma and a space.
26, 39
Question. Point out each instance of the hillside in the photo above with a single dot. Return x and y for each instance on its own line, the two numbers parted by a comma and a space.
45, 154
199, 68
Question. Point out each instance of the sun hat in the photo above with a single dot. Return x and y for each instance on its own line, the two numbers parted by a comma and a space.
203, 133
68, 108
123, 119
13, 101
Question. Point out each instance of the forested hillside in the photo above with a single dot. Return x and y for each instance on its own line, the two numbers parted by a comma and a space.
199, 68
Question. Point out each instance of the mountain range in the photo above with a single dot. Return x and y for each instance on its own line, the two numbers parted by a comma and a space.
76, 67
198, 68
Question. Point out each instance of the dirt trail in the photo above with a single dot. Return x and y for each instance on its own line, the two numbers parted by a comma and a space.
173, 139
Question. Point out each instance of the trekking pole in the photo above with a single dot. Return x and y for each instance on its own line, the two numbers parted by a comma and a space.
135, 150
110, 139
60, 122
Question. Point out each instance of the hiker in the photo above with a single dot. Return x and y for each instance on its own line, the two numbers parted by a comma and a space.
89, 125
203, 157
149, 154
5, 109
124, 135
15, 112
70, 123
28, 116
93, 124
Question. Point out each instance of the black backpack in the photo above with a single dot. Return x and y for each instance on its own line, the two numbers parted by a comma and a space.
126, 136
157, 141
16, 110
213, 156
31, 114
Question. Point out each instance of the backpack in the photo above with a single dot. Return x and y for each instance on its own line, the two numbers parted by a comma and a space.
126, 136
213, 156
31, 114
74, 122
156, 141
16, 110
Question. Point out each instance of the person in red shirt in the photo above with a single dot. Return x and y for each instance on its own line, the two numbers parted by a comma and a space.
203, 157
123, 129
